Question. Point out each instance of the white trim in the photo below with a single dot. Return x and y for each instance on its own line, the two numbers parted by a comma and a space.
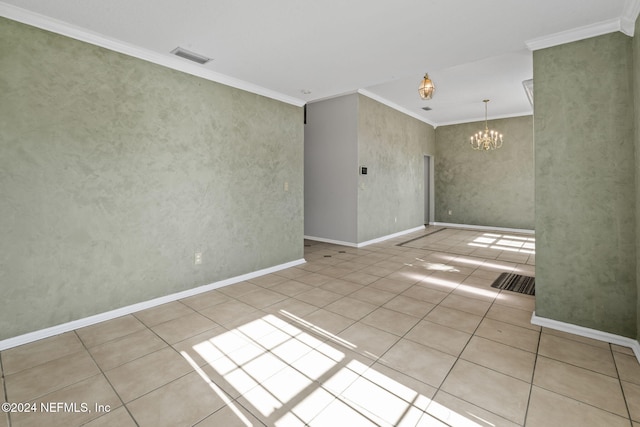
580, 33
108, 315
390, 236
166, 60
337, 95
395, 106
368, 242
629, 17
484, 227
587, 333
333, 242
474, 120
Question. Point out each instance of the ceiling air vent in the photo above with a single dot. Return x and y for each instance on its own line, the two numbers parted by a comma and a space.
183, 53
427, 108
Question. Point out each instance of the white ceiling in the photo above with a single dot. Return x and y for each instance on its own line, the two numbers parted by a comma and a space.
472, 49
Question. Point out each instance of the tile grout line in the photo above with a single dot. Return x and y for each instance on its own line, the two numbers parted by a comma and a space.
458, 359
570, 397
322, 339
493, 302
533, 375
106, 379
4, 391
420, 319
84, 348
624, 396
378, 358
380, 250
438, 389
578, 366
583, 403
125, 404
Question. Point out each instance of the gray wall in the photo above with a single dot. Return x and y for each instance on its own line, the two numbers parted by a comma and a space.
114, 171
585, 184
331, 169
489, 188
392, 146
341, 135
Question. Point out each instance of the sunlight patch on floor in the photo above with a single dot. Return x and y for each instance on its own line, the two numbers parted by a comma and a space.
505, 242
293, 373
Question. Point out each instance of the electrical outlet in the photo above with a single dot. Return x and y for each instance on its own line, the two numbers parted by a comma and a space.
395, 219
450, 212
286, 186
197, 260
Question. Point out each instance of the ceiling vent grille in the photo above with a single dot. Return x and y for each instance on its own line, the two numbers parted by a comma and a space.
191, 56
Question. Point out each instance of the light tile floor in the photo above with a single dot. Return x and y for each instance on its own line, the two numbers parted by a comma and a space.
409, 335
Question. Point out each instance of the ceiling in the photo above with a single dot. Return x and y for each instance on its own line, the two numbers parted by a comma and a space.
303, 51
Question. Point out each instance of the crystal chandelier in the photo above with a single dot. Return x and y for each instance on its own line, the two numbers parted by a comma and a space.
426, 88
487, 139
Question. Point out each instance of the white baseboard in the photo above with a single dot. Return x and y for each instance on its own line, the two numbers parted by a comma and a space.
333, 242
390, 236
484, 227
588, 333
368, 242
108, 315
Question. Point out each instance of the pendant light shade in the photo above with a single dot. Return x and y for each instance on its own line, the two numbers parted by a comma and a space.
426, 88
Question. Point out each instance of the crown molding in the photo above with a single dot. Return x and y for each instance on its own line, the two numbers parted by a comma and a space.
629, 17
481, 119
166, 60
337, 95
625, 23
580, 33
395, 106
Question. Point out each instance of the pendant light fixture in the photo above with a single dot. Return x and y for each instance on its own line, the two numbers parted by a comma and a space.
487, 139
426, 88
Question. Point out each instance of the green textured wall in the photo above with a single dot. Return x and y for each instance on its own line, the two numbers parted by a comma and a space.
636, 99
392, 146
585, 184
114, 171
489, 188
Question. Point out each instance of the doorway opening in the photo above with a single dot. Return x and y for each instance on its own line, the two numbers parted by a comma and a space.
427, 189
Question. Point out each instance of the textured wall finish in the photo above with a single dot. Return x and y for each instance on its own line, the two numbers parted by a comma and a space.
331, 169
585, 184
392, 146
491, 188
636, 101
115, 171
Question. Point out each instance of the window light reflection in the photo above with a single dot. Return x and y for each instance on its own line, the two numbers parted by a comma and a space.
289, 376
505, 242
221, 394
